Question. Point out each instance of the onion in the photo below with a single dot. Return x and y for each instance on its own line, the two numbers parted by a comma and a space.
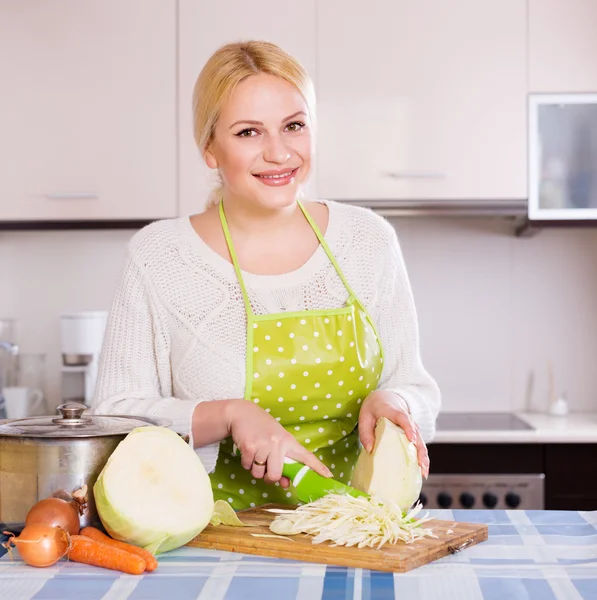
56, 513
40, 545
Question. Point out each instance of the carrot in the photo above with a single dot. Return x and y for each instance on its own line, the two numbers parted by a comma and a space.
91, 552
95, 534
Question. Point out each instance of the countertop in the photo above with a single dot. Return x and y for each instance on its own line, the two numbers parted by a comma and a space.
530, 555
572, 428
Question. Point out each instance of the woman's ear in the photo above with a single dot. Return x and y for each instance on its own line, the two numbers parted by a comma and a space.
210, 158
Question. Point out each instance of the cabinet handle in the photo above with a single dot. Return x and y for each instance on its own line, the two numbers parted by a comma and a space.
72, 196
415, 175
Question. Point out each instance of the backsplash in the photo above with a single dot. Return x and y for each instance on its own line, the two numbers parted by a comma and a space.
493, 309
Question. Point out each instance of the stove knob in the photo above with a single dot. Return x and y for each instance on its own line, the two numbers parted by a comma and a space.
513, 500
490, 500
467, 500
444, 500
423, 499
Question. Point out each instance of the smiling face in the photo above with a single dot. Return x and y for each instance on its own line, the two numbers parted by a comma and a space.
262, 143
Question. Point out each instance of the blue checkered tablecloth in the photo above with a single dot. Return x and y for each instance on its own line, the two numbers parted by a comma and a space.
530, 555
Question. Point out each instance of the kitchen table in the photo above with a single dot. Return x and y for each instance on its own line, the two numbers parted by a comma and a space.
530, 555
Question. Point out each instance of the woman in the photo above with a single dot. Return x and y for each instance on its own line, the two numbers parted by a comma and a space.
266, 327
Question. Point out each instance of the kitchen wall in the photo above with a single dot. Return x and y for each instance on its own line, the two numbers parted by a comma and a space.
493, 309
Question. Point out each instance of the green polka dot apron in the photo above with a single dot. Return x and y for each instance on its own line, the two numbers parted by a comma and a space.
311, 371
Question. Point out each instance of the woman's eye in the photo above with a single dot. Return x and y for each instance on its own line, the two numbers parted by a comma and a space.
246, 133
295, 126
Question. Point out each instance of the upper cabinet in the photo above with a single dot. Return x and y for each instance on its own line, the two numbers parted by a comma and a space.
88, 111
417, 100
563, 45
422, 100
203, 28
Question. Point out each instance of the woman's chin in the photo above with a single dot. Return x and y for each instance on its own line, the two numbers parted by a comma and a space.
275, 198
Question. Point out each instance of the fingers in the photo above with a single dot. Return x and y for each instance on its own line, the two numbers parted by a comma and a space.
423, 455
404, 420
411, 430
258, 470
401, 418
275, 462
367, 430
285, 482
309, 459
246, 458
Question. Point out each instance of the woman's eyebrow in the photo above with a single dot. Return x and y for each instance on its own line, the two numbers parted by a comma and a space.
250, 122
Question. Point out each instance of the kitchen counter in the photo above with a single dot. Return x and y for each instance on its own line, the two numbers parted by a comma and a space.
530, 555
573, 428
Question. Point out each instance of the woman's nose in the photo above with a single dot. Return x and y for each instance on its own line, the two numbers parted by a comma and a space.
275, 150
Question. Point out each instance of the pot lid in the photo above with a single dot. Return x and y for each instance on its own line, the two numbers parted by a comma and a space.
73, 423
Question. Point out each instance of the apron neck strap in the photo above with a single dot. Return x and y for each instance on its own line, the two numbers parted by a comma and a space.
325, 246
234, 258
236, 265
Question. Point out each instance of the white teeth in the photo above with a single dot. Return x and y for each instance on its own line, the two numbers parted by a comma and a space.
275, 176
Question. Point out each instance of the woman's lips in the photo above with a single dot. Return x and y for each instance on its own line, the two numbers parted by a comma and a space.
276, 178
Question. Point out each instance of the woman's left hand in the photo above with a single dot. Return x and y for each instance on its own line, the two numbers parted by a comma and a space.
385, 403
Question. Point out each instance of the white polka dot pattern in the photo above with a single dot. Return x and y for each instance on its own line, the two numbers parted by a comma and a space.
310, 373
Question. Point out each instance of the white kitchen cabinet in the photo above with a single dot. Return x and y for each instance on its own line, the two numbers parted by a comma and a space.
563, 46
204, 27
422, 100
88, 110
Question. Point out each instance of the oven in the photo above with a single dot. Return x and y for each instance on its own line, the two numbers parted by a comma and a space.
484, 475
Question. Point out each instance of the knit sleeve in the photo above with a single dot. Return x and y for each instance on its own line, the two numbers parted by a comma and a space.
134, 376
403, 370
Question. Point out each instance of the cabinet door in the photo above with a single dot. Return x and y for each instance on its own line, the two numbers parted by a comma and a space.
422, 100
204, 27
569, 481
563, 45
88, 110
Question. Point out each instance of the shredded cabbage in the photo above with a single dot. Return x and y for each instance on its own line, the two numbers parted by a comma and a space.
348, 521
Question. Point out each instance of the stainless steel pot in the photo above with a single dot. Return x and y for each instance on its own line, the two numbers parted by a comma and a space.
49, 456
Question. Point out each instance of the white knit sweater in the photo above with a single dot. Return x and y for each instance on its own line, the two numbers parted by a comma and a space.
176, 332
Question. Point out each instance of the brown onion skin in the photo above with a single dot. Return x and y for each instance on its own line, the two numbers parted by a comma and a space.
56, 513
42, 545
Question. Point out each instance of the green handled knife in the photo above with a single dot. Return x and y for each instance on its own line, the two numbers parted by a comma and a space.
311, 486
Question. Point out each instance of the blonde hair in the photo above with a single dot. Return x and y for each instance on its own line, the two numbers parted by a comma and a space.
226, 68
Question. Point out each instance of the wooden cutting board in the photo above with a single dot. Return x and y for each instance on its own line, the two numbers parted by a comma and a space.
451, 537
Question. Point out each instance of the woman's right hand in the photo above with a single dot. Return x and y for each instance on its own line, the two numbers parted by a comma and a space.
259, 437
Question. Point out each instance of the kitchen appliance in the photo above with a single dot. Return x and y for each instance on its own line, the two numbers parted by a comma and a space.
562, 157
8, 350
462, 488
485, 491
24, 393
82, 336
20, 401
451, 537
49, 456
480, 422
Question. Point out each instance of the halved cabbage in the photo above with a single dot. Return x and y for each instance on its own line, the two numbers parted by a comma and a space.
154, 491
391, 472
